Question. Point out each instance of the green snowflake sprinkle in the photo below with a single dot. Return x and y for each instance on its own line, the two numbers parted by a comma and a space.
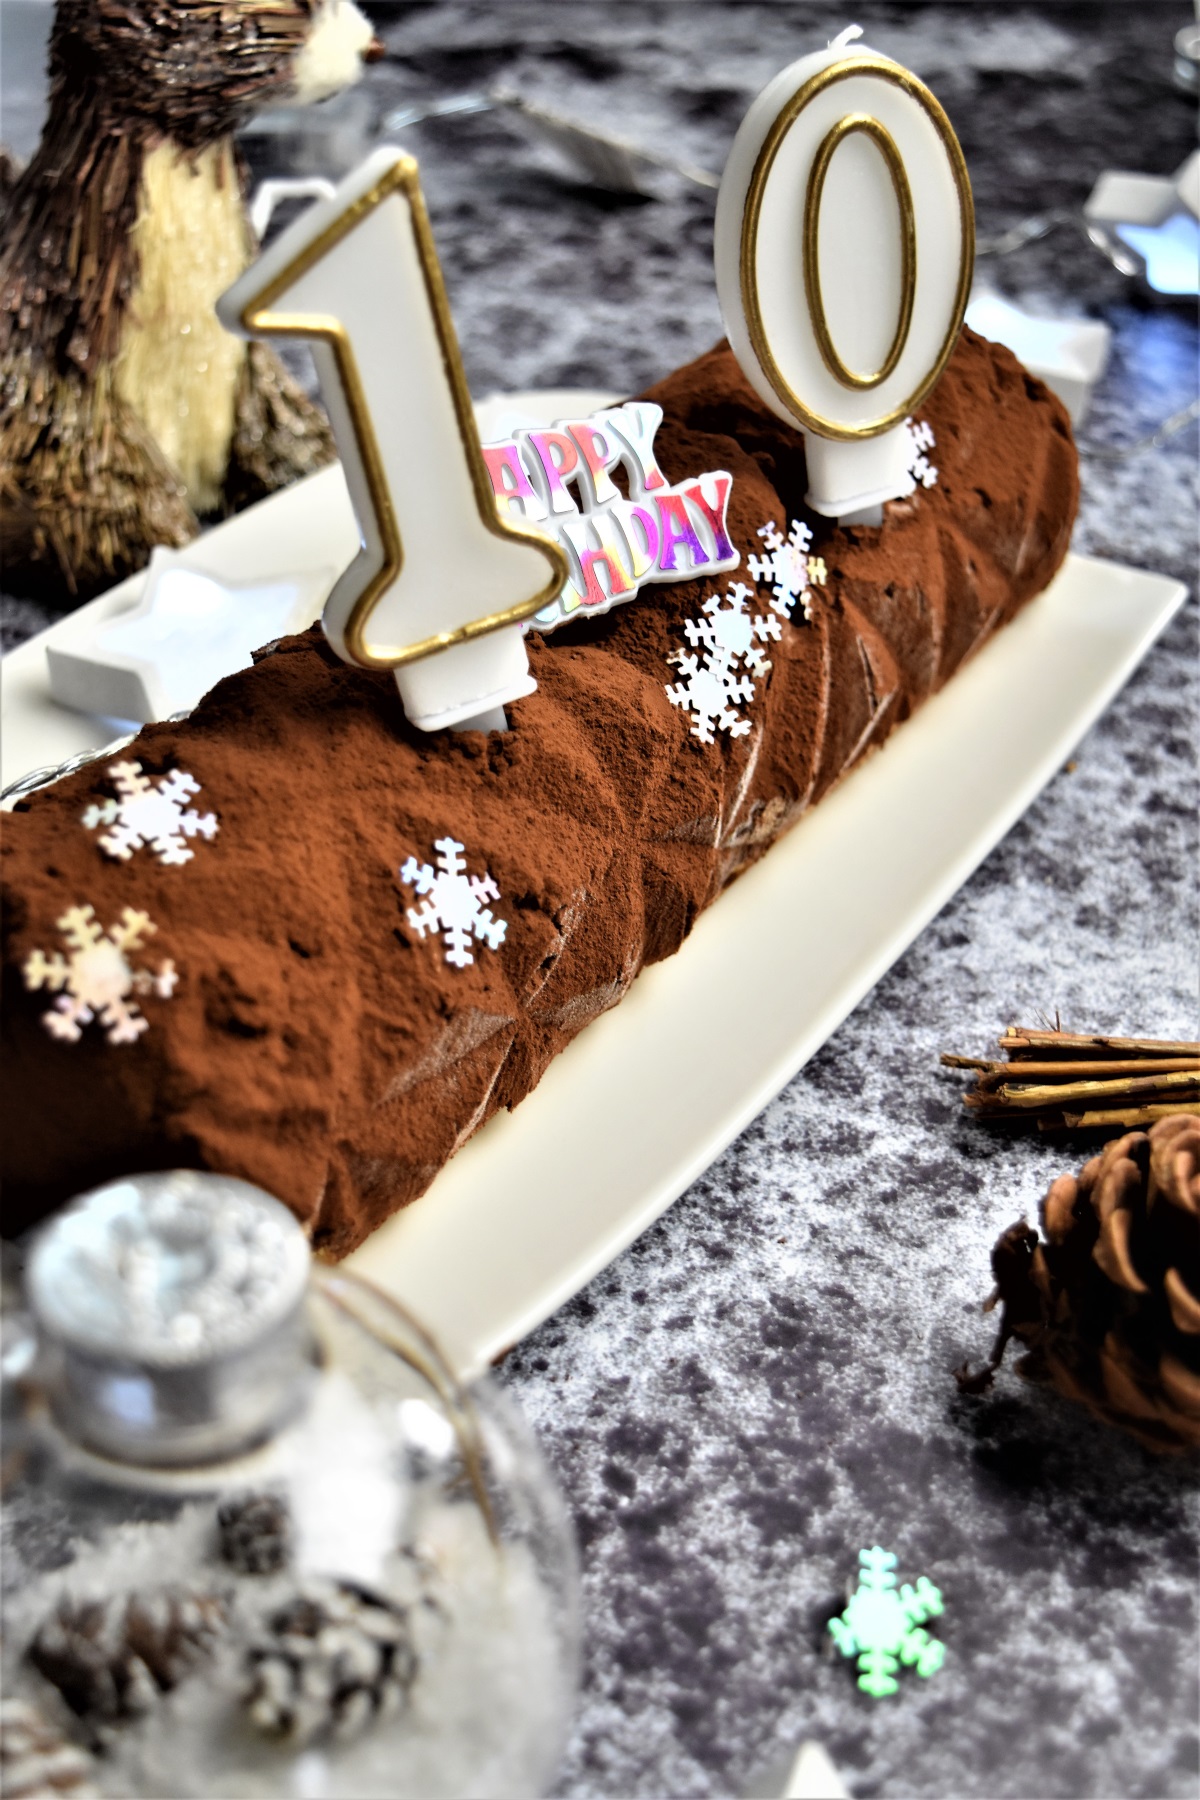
882, 1625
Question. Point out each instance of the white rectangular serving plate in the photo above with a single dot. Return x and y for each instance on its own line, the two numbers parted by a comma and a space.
652, 1092
644, 1099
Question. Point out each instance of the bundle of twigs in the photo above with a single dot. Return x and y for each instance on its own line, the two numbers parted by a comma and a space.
1068, 1083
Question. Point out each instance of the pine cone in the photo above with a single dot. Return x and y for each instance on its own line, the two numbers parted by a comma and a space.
36, 1761
110, 1659
255, 1533
335, 1661
1109, 1305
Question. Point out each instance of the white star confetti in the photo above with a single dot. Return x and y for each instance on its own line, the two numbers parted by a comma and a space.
452, 903
95, 980
146, 813
719, 679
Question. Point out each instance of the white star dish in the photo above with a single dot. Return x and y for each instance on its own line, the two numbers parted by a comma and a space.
1069, 355
188, 629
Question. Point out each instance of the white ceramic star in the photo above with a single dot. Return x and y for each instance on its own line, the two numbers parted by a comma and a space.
187, 630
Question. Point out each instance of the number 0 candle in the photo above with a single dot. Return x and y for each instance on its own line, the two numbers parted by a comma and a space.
844, 250
442, 582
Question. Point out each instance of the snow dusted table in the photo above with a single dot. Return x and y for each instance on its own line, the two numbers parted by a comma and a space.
762, 1384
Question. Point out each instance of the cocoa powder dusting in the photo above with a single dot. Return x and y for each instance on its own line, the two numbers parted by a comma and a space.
314, 1043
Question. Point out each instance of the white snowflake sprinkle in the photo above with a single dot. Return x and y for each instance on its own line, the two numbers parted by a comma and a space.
149, 813
452, 903
718, 680
921, 439
788, 567
95, 980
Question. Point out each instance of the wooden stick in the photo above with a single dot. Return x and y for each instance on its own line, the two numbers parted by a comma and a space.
991, 1073
1021, 1038
1112, 1081
1038, 1098
1137, 1115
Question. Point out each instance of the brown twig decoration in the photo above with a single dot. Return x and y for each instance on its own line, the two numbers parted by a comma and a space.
1064, 1082
119, 426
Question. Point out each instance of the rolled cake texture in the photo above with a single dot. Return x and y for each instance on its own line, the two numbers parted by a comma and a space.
299, 1030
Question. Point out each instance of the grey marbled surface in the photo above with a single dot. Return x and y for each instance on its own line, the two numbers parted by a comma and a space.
762, 1383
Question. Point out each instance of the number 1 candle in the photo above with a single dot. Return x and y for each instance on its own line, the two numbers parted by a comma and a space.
442, 582
844, 250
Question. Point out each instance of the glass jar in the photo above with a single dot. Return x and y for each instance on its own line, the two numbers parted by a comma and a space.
257, 1540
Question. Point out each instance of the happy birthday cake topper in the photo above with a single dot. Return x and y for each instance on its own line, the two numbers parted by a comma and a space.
442, 583
615, 542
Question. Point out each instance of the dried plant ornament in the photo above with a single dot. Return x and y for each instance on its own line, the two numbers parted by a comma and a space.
255, 1533
1064, 1082
36, 1761
111, 1658
201, 1632
1108, 1303
127, 412
333, 1660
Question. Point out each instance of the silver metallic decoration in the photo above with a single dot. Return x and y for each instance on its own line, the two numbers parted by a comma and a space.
170, 1310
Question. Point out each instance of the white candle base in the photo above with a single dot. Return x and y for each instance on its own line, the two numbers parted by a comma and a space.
466, 681
494, 719
848, 476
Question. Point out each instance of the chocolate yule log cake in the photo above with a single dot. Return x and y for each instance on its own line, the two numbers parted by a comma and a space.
281, 1004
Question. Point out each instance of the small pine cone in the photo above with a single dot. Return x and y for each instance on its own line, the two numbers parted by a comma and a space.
1109, 1305
36, 1761
335, 1660
110, 1659
255, 1533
